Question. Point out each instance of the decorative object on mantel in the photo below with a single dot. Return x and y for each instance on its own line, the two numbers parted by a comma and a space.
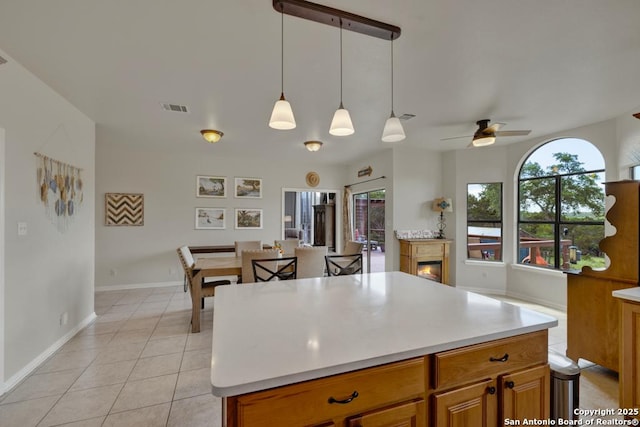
415, 234
313, 145
365, 172
441, 205
123, 209
59, 189
313, 179
211, 135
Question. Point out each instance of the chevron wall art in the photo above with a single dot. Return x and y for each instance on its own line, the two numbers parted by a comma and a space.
124, 209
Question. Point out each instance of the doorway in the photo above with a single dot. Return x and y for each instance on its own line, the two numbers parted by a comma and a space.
369, 228
310, 216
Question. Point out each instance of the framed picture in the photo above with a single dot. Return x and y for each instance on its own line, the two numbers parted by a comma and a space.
248, 188
210, 218
211, 186
248, 218
123, 209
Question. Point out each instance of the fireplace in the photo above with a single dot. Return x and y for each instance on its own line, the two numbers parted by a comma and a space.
427, 258
431, 270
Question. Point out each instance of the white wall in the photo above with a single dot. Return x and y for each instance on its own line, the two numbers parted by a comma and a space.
47, 272
628, 132
129, 256
503, 164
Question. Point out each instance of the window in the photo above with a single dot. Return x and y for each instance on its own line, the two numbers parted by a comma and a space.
484, 221
634, 172
561, 206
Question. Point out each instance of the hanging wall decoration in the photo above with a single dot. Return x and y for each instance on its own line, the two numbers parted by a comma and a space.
60, 190
124, 209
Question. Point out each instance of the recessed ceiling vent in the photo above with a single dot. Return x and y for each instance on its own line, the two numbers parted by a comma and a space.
2, 60
407, 116
175, 108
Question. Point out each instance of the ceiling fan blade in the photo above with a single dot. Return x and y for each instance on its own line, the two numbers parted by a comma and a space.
493, 128
456, 137
637, 115
513, 132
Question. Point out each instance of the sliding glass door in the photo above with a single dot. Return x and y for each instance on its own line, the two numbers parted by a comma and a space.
369, 227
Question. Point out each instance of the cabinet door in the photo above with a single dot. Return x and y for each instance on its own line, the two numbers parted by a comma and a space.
470, 406
526, 394
409, 414
630, 352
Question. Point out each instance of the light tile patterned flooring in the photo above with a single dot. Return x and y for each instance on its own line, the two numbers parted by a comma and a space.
138, 365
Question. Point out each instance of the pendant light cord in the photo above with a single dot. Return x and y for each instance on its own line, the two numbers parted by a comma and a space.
341, 106
282, 50
392, 75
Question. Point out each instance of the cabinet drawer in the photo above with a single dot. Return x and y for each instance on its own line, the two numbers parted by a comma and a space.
489, 359
308, 402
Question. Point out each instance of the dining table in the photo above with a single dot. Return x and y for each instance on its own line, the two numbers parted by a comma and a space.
210, 267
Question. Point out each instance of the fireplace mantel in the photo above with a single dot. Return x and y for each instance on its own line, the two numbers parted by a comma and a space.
415, 251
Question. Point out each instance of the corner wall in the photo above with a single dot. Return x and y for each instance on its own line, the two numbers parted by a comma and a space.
47, 272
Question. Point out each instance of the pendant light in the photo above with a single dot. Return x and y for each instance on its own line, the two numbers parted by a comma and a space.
341, 124
393, 131
282, 115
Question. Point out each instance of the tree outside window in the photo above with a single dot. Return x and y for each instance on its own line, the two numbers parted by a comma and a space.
561, 206
484, 221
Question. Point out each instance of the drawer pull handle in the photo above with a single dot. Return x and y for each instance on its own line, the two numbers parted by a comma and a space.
491, 390
510, 384
345, 401
502, 359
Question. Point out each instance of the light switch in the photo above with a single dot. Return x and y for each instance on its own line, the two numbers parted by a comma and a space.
22, 229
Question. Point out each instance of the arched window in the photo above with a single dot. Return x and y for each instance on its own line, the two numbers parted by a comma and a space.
561, 206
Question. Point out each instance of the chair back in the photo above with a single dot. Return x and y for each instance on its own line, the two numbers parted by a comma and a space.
246, 245
249, 255
353, 247
310, 261
187, 261
342, 265
288, 246
265, 270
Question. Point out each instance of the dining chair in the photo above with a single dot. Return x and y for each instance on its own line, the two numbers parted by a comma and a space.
207, 286
266, 270
311, 261
245, 245
288, 246
353, 247
342, 265
249, 255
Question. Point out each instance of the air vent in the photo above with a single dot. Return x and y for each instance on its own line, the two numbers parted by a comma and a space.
407, 116
2, 60
176, 108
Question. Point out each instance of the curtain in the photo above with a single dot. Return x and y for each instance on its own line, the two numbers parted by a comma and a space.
347, 216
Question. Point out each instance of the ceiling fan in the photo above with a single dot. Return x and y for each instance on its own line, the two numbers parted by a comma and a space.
486, 134
637, 115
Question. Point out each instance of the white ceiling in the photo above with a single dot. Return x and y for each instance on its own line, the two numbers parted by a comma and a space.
545, 65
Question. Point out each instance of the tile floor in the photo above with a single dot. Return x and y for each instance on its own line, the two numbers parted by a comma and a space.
138, 365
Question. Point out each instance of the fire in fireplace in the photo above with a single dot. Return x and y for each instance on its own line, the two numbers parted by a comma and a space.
431, 270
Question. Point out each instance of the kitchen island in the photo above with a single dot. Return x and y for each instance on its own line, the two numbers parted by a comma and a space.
374, 348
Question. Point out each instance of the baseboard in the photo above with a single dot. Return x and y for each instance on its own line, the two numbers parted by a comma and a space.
138, 286
529, 298
482, 290
31, 366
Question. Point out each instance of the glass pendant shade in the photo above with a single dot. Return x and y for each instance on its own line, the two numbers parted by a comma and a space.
282, 115
484, 141
393, 131
341, 124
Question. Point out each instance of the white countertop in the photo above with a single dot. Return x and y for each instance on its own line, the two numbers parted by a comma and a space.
272, 334
631, 294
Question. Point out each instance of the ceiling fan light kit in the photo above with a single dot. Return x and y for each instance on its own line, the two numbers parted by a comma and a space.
341, 125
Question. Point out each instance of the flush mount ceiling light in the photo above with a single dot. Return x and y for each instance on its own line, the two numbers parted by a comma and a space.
313, 145
393, 131
282, 114
211, 135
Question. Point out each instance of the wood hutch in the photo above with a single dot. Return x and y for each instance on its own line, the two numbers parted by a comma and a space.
593, 314
418, 253
324, 225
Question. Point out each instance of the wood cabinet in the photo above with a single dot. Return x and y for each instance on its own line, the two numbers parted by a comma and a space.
630, 352
478, 385
592, 312
503, 379
416, 251
324, 224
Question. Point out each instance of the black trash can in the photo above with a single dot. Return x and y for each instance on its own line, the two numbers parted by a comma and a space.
565, 386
